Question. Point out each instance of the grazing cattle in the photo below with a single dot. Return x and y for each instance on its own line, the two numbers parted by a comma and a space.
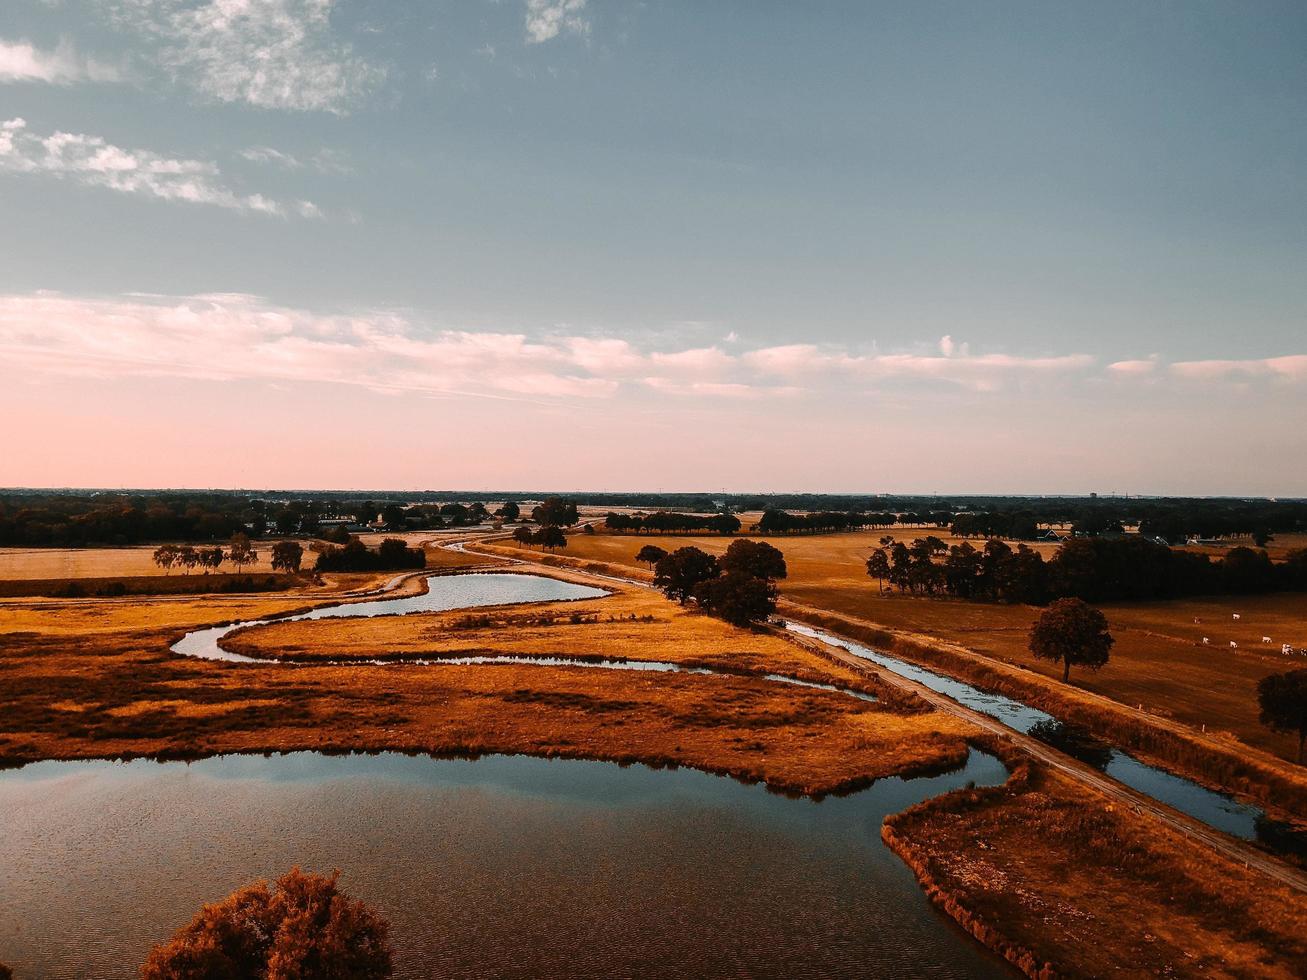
1233, 645
1286, 649
1206, 641
1197, 620
1234, 615
1266, 639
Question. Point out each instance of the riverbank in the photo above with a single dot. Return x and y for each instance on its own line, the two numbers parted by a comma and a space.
1062, 882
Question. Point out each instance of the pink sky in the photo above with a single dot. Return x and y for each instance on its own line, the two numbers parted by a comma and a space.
229, 391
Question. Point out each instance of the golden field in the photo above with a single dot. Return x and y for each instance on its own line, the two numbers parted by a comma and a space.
95, 678
1050, 874
1158, 660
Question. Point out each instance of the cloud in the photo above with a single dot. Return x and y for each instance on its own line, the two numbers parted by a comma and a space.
21, 61
1291, 367
546, 19
1133, 368
222, 337
272, 54
94, 162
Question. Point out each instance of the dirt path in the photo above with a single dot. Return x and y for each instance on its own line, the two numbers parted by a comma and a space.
1085, 774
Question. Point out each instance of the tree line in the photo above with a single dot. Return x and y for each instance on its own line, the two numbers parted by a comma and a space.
286, 555
1092, 569
671, 522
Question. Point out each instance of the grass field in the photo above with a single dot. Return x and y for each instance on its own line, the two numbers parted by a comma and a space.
117, 690
1158, 660
1046, 871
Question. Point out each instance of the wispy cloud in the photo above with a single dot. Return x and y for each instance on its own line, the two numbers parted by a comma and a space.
1291, 367
323, 161
546, 19
94, 162
234, 336
273, 54
22, 61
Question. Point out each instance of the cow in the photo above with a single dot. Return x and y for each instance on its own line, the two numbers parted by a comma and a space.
1206, 641
1233, 645
1286, 649
1266, 639
1234, 615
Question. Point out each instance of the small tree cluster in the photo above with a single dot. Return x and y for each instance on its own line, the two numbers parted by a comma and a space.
391, 555
1282, 699
550, 536
738, 587
555, 512
303, 927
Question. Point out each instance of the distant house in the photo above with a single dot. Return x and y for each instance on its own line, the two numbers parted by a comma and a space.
1048, 534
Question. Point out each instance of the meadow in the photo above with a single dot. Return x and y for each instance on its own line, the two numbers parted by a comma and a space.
1158, 662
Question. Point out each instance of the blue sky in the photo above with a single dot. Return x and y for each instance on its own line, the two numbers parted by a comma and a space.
1014, 247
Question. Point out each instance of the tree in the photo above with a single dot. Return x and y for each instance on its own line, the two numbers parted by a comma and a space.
510, 511
878, 567
303, 927
523, 535
188, 558
737, 597
1282, 699
677, 574
551, 536
287, 556
394, 516
392, 552
240, 551
1073, 632
210, 559
555, 512
165, 556
650, 555
756, 558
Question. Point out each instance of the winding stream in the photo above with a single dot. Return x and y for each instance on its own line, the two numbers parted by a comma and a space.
1217, 810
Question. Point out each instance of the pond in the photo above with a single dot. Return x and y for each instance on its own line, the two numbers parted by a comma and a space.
444, 592
1214, 809
503, 865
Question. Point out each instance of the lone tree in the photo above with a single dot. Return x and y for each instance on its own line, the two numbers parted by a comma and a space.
737, 597
650, 555
287, 556
677, 574
756, 558
303, 927
1283, 700
523, 535
1074, 632
510, 511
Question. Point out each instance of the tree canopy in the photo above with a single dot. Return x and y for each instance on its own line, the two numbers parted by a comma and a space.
304, 926
1073, 632
737, 597
756, 558
1282, 699
680, 572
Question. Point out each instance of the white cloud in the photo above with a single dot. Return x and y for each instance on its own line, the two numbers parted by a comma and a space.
94, 162
273, 54
1291, 367
266, 154
546, 19
22, 61
232, 336
1133, 368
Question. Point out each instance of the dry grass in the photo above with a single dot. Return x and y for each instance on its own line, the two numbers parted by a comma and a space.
95, 679
1048, 872
1158, 660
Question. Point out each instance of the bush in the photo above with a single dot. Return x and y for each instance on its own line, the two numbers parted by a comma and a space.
392, 555
304, 927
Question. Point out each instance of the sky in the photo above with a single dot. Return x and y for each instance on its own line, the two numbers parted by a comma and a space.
743, 245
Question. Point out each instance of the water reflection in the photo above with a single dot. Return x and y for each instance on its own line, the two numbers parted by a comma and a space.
505, 865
